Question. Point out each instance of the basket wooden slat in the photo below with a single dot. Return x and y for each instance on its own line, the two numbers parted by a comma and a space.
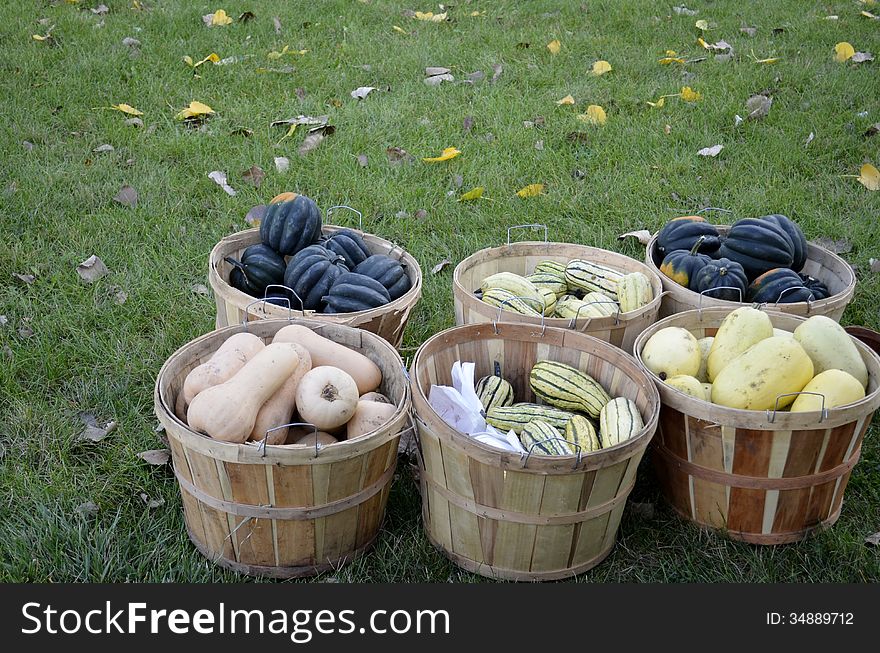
283, 511
505, 516
760, 476
821, 264
521, 258
388, 321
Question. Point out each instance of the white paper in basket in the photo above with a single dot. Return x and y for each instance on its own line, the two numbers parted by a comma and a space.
460, 407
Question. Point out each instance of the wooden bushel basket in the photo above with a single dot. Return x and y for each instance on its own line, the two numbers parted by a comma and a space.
821, 264
515, 517
765, 477
521, 258
388, 321
289, 510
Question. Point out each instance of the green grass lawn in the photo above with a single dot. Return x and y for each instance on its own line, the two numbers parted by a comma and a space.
89, 353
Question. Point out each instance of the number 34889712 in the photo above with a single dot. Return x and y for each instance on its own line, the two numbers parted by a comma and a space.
810, 618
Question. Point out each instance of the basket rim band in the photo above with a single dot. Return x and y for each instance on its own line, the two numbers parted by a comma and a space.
497, 514
754, 482
295, 514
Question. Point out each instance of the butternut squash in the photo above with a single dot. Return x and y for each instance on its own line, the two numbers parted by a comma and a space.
229, 410
279, 408
376, 396
226, 361
326, 352
369, 416
740, 330
309, 439
327, 397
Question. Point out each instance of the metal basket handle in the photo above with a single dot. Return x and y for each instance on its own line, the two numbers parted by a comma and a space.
527, 299
702, 294
360, 215
291, 291
284, 426
528, 226
573, 323
823, 413
266, 299
525, 457
785, 290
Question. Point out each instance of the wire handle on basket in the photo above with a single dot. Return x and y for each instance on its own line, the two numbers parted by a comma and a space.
284, 426
771, 414
785, 290
292, 292
525, 457
527, 299
700, 303
571, 325
713, 208
528, 226
343, 206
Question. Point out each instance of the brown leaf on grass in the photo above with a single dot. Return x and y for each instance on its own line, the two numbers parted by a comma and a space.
873, 540
155, 456
300, 92
127, 196
874, 265
119, 295
92, 269
749, 31
101, 149
199, 289
642, 235
24, 278
25, 331
861, 57
436, 80
758, 107
242, 131
539, 145
467, 124
398, 155
134, 122
87, 508
282, 164
431, 71
684, 11
522, 45
421, 214
442, 265
151, 503
254, 176
246, 16
577, 137
311, 141
362, 160
277, 23
872, 130
840, 246
27, 145
255, 216
93, 431
497, 69
316, 121
476, 76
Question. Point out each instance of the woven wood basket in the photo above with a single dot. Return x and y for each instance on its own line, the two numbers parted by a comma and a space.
501, 515
289, 510
388, 321
822, 264
521, 258
764, 477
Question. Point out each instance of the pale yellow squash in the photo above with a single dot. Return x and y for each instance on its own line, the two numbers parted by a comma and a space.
830, 347
327, 397
705, 346
672, 351
230, 357
707, 388
838, 388
757, 377
740, 330
278, 409
368, 417
688, 385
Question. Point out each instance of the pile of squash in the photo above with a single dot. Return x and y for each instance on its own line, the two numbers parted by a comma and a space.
325, 274
577, 289
758, 260
751, 365
248, 389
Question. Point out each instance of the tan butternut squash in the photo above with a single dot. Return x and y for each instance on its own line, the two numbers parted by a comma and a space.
237, 350
326, 352
369, 416
309, 439
327, 397
375, 396
228, 411
279, 408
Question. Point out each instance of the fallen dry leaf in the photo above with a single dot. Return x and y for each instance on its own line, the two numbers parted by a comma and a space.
119, 295
131, 42
758, 107
127, 196
436, 80
361, 92
255, 216
25, 331
711, 151
601, 67
532, 190
317, 121
24, 278
869, 177
282, 164
430, 71
362, 160
861, 57
684, 11
843, 51
840, 246
442, 265
219, 178
595, 115
310, 142
276, 22
127, 108
398, 155
93, 431
873, 540
429, 16
100, 10
92, 269
642, 235
467, 124
554, 46
87, 508
199, 289
702, 25
151, 503
749, 31
134, 122
254, 176
447, 154
155, 456
872, 130
568, 100
473, 194
218, 19
195, 111
497, 69
476, 76
690, 95
106, 147
810, 138
874, 265
539, 145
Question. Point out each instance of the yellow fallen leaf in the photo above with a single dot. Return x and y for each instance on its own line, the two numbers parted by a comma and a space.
869, 177
430, 16
188, 60
665, 61
595, 115
219, 18
601, 67
843, 51
399, 29
274, 54
690, 95
37, 37
703, 44
870, 3
658, 104
701, 25
213, 58
554, 46
448, 153
770, 60
194, 110
868, 14
473, 194
671, 53
566, 101
474, 14
127, 108
532, 190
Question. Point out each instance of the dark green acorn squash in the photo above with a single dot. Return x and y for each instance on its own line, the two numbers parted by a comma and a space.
779, 286
387, 271
722, 279
758, 246
818, 288
355, 292
291, 225
259, 267
682, 265
310, 274
798, 240
349, 245
683, 233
